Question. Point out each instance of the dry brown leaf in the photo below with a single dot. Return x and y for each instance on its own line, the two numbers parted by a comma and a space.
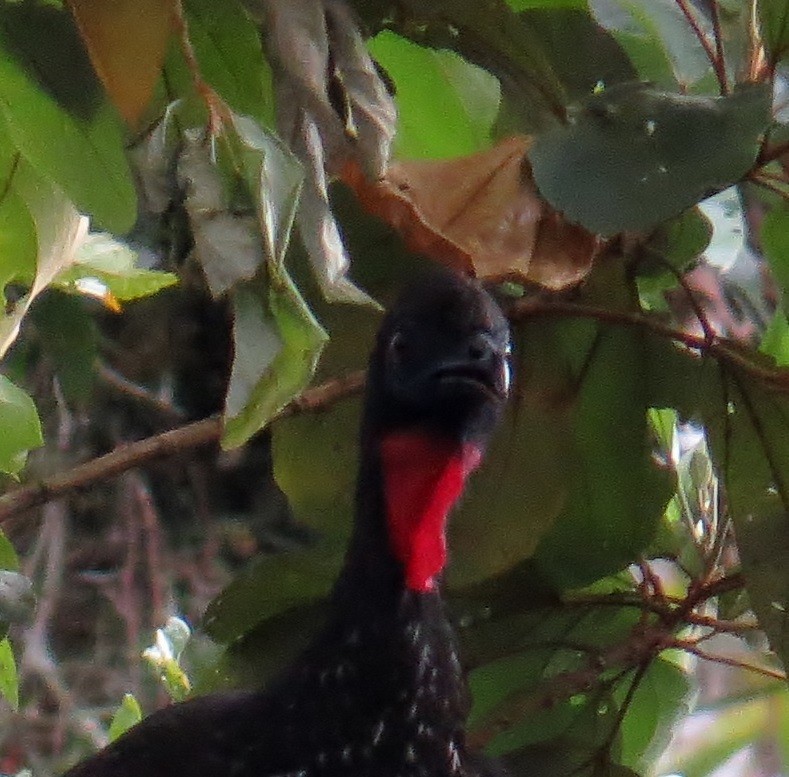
481, 214
127, 44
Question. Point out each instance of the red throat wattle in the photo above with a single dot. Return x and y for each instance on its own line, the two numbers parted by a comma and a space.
423, 478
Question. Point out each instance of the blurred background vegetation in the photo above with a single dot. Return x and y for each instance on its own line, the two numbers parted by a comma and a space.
180, 380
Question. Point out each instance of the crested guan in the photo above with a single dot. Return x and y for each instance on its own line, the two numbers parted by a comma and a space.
380, 691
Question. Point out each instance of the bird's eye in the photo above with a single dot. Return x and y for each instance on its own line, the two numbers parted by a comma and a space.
397, 345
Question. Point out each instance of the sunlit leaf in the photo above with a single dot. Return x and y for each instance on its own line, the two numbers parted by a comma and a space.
9, 681
436, 90
126, 716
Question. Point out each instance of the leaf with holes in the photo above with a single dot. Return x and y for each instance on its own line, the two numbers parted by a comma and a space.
633, 156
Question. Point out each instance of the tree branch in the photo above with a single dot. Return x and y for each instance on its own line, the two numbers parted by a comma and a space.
170, 443
719, 349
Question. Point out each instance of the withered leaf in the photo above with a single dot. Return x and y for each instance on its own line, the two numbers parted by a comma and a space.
481, 214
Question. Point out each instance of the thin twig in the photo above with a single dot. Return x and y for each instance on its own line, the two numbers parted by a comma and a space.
176, 441
717, 65
719, 349
720, 59
217, 110
691, 647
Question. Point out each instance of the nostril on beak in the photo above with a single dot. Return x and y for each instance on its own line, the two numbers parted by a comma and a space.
480, 348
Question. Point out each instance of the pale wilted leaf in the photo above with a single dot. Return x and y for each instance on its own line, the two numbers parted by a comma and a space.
16, 596
60, 230
264, 378
226, 240
317, 47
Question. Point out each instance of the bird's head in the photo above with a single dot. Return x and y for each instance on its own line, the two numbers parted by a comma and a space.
438, 379
441, 361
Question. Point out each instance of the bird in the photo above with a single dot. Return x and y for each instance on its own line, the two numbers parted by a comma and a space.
380, 690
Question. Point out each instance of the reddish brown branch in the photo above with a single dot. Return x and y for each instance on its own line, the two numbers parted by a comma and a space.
171, 443
714, 56
719, 348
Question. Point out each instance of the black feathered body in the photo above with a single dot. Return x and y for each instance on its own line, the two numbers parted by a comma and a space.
380, 691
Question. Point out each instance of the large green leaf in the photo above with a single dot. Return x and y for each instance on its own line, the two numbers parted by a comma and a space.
659, 700
750, 445
633, 156
617, 493
57, 114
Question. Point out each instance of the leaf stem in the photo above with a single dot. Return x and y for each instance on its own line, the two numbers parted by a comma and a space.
715, 56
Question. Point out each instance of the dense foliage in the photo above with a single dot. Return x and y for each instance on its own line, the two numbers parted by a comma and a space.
618, 169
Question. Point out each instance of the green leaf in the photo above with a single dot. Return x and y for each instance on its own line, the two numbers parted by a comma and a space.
228, 50
583, 55
749, 438
775, 244
264, 378
775, 342
774, 17
617, 493
436, 90
20, 425
9, 681
8, 557
659, 700
677, 243
68, 336
127, 715
105, 266
48, 91
652, 153
18, 243
273, 585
